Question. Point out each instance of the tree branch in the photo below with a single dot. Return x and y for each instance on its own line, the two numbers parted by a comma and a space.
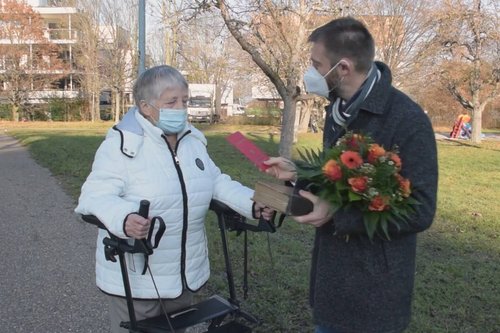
459, 97
234, 29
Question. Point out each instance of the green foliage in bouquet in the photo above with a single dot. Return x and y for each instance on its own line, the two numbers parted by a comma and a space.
359, 173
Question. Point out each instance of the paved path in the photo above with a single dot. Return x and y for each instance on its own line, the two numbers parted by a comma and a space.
47, 255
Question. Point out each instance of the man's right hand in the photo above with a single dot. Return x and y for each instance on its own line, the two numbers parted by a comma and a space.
137, 226
281, 168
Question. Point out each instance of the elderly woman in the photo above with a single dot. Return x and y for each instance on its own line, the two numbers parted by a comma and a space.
154, 154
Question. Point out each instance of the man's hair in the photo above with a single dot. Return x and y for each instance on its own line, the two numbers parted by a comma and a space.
349, 38
153, 82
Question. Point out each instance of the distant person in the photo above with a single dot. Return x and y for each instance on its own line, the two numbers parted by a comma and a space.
154, 154
358, 285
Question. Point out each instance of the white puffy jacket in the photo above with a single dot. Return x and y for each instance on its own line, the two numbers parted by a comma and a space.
135, 162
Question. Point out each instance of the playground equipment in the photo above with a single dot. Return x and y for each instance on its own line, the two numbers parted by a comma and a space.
462, 128
222, 314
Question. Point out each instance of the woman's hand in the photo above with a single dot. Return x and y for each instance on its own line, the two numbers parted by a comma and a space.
261, 210
281, 168
322, 211
137, 226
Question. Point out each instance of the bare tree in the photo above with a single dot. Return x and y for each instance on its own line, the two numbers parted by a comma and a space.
470, 40
28, 61
209, 54
169, 16
87, 51
117, 49
274, 34
403, 33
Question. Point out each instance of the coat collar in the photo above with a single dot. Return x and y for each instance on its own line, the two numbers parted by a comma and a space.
380, 93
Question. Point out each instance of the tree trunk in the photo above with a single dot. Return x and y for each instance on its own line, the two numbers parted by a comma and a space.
305, 115
288, 127
116, 105
218, 100
15, 112
477, 116
91, 106
96, 110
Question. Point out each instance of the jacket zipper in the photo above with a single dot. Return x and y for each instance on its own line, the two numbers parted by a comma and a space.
184, 205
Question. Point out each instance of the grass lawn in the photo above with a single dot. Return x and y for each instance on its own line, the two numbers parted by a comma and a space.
458, 263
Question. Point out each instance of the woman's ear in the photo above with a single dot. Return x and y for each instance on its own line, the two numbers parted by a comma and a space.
144, 108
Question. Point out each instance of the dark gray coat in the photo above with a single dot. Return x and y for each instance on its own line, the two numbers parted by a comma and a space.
361, 286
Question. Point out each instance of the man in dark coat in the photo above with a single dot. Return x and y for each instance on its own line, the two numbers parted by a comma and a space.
358, 285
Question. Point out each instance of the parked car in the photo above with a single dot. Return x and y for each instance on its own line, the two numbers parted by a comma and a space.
238, 110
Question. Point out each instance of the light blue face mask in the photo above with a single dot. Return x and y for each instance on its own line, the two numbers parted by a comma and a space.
172, 121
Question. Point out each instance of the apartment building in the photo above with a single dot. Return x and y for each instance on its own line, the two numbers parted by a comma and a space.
40, 76
60, 31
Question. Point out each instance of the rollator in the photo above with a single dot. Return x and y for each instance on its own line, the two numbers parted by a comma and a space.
220, 313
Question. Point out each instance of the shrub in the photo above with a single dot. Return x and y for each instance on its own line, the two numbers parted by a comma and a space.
5, 112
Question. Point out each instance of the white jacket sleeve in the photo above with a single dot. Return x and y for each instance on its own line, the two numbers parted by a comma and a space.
102, 192
232, 193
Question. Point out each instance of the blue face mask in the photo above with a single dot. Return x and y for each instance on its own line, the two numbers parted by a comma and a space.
172, 121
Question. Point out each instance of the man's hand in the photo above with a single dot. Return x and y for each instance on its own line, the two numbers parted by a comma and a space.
137, 226
322, 211
281, 168
260, 210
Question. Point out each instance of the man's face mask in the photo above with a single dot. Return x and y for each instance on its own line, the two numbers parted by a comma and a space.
316, 83
171, 121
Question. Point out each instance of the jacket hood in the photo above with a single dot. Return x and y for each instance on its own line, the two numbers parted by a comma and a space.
134, 126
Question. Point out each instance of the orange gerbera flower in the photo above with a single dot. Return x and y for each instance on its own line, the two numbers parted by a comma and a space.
351, 159
375, 151
332, 170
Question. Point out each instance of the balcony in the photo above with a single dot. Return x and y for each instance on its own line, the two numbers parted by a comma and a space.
61, 36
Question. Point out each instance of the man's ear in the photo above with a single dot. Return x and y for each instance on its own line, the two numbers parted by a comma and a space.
346, 66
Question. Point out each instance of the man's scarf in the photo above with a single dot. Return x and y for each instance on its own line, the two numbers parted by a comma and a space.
343, 113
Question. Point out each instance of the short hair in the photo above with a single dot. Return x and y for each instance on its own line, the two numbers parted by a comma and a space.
153, 82
346, 37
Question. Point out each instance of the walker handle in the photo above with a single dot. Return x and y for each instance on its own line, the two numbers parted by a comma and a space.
144, 212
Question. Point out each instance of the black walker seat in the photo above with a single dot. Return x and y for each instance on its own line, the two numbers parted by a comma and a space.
214, 309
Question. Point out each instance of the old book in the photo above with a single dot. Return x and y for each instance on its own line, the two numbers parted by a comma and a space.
281, 198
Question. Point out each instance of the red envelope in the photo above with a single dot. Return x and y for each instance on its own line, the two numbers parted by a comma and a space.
249, 149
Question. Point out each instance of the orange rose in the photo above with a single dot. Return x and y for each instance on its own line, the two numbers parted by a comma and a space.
396, 159
374, 152
332, 170
358, 184
351, 159
378, 204
355, 141
404, 185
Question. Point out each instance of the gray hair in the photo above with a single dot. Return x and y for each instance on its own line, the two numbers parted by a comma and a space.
153, 82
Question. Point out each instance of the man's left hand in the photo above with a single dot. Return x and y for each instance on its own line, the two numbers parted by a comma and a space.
322, 211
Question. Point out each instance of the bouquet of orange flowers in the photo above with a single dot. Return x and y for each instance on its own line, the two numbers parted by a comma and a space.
359, 173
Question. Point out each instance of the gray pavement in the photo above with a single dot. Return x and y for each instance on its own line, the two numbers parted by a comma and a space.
47, 282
